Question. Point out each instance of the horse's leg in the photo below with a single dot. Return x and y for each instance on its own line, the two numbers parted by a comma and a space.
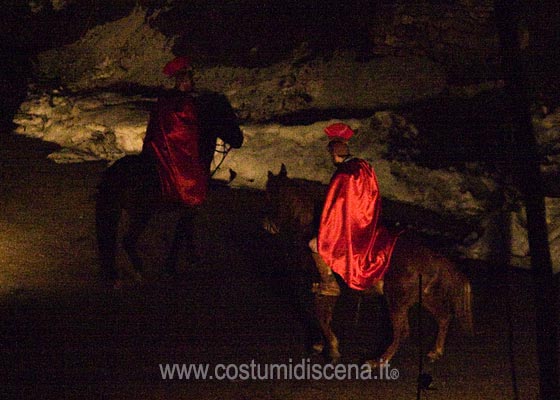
324, 308
436, 306
108, 210
326, 296
107, 217
183, 237
138, 221
399, 299
399, 320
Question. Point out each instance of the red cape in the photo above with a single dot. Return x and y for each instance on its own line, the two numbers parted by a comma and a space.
351, 240
173, 138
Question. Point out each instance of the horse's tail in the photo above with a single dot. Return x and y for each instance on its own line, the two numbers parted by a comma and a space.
462, 301
107, 216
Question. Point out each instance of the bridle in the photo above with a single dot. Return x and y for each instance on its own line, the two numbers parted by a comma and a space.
221, 148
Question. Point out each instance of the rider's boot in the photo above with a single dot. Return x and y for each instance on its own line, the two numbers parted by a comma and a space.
328, 285
378, 287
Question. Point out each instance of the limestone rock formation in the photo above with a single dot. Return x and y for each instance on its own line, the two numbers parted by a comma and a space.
383, 67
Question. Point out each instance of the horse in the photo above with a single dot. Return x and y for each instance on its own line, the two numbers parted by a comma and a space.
294, 206
132, 184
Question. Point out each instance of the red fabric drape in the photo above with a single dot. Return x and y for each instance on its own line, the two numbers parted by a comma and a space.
173, 138
351, 240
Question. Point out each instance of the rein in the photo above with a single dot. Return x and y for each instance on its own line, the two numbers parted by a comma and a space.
221, 148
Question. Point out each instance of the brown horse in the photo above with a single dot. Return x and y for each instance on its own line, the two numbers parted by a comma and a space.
295, 204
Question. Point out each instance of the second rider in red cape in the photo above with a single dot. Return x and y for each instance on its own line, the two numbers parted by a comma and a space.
351, 240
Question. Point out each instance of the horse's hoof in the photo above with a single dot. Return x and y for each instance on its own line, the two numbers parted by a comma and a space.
373, 364
118, 284
334, 360
334, 357
107, 275
435, 355
317, 348
174, 275
135, 281
168, 274
137, 277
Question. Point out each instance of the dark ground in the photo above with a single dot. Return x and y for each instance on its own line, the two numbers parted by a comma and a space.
64, 335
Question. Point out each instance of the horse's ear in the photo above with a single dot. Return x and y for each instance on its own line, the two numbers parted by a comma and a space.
270, 174
283, 171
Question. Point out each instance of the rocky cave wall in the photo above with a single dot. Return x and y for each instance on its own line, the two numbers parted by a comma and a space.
419, 81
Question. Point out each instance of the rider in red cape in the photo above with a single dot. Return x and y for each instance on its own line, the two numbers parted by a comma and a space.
178, 150
172, 138
351, 240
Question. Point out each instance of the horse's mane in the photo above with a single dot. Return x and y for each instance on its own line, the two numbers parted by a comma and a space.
301, 202
306, 189
217, 119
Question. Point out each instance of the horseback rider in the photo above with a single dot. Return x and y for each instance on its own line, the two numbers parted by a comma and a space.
351, 241
178, 144
172, 139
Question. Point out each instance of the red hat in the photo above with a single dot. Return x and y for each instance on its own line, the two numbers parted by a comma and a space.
339, 131
177, 64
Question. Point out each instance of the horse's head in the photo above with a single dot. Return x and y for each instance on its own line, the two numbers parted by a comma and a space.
222, 119
275, 183
291, 204
217, 120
